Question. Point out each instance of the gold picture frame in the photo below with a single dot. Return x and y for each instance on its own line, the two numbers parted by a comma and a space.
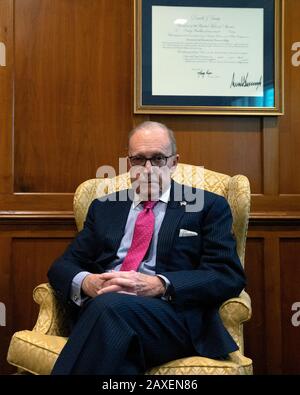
149, 81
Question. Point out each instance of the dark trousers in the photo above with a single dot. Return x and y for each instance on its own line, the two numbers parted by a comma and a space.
124, 334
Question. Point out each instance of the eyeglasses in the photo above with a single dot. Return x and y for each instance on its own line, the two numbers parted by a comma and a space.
156, 160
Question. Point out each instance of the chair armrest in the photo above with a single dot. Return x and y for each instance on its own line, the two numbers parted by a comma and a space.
52, 318
234, 312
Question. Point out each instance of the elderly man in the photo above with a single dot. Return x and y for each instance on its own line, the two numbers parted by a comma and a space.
146, 274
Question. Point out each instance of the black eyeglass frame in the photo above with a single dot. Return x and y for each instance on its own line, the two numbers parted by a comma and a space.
163, 157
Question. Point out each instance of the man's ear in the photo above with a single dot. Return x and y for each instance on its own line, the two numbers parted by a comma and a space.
174, 164
128, 163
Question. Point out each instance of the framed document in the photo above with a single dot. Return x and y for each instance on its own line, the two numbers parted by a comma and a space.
209, 57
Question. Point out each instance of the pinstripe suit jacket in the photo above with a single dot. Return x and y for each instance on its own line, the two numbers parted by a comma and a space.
204, 270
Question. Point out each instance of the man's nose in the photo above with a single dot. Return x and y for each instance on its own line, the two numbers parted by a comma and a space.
148, 166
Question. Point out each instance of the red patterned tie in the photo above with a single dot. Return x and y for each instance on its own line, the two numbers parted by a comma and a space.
142, 235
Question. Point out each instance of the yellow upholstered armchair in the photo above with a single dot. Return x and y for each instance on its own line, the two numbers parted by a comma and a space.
36, 351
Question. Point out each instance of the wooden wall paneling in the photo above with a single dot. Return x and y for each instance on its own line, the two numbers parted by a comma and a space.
5, 297
254, 330
6, 98
289, 125
290, 294
72, 90
28, 245
45, 204
270, 156
273, 305
276, 207
273, 266
27, 249
31, 259
34, 224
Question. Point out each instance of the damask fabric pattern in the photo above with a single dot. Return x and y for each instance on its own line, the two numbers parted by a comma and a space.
36, 351
52, 319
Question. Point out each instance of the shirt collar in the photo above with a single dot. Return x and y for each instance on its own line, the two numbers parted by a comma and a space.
163, 198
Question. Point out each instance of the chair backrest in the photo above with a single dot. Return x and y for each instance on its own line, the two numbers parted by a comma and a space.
235, 189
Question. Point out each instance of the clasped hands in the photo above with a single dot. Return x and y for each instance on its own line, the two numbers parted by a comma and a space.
133, 283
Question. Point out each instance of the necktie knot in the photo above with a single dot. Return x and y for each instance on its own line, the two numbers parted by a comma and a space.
149, 205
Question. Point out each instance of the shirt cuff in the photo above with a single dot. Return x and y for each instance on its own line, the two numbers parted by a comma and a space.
167, 285
76, 294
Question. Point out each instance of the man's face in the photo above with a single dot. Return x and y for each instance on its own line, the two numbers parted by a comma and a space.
150, 180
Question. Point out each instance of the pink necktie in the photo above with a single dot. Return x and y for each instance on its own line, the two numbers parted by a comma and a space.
142, 235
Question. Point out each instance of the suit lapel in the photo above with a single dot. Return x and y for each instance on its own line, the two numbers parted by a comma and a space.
118, 219
174, 213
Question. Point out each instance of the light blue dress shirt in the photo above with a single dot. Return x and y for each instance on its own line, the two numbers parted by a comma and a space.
147, 266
